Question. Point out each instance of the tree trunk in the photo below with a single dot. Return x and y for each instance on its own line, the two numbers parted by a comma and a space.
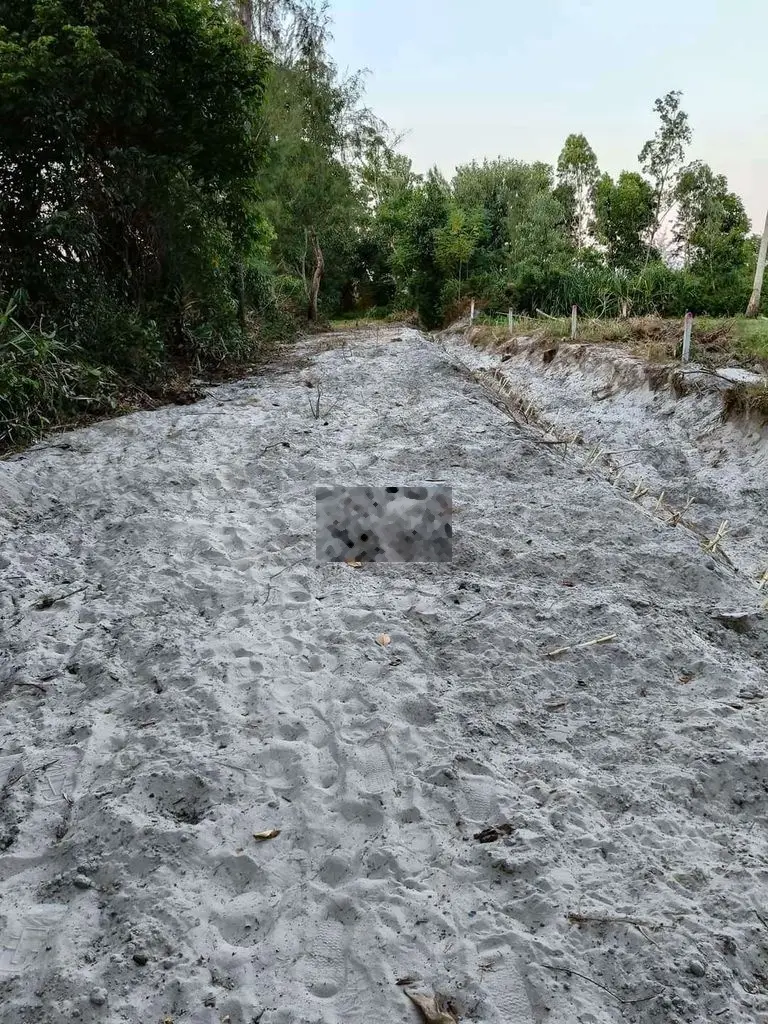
245, 16
317, 277
754, 302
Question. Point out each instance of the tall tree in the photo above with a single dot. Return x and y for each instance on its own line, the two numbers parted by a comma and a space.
415, 257
624, 213
662, 157
754, 302
318, 131
126, 169
578, 173
712, 223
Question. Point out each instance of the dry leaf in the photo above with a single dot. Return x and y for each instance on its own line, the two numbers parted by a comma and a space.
383, 640
353, 564
434, 1009
494, 833
270, 833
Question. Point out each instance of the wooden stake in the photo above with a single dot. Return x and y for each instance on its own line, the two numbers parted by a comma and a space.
472, 313
687, 337
511, 320
574, 321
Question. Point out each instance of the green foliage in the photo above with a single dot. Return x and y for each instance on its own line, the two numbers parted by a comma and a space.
712, 223
415, 256
662, 156
44, 383
577, 174
624, 213
127, 170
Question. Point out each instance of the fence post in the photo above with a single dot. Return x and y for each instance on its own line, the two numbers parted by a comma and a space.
511, 320
574, 321
472, 313
687, 337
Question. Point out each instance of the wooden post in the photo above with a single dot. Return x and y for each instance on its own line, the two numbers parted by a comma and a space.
472, 313
754, 303
687, 337
574, 321
511, 320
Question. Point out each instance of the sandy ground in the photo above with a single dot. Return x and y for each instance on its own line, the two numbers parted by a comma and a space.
210, 680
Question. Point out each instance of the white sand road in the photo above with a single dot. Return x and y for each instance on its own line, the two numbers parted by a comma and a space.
208, 679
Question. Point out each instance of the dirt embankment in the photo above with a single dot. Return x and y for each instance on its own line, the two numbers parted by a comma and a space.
683, 443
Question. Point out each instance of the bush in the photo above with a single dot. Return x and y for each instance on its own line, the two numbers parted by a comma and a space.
44, 383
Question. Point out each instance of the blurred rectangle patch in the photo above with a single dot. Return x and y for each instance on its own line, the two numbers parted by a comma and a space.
384, 524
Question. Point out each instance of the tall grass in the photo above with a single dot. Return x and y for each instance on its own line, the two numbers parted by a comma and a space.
44, 384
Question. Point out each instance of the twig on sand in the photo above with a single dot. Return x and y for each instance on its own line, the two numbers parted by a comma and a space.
580, 647
761, 919
539, 440
32, 686
31, 771
47, 600
277, 444
316, 407
677, 517
717, 539
279, 573
610, 919
614, 995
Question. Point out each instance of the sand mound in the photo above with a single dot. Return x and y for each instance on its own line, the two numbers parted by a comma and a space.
538, 838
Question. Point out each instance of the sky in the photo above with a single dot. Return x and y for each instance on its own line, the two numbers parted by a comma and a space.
468, 80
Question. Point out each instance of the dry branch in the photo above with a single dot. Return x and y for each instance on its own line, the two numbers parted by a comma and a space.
582, 646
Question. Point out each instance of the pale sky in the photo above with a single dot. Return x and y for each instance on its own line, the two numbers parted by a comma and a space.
490, 78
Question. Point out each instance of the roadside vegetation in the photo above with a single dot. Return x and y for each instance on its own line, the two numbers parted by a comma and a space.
715, 342
173, 211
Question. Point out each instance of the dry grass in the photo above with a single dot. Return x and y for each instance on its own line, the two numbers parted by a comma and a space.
715, 343
746, 401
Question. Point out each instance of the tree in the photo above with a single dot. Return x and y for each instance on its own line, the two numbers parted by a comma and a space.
415, 257
126, 169
712, 224
577, 174
662, 157
754, 302
319, 132
456, 242
624, 213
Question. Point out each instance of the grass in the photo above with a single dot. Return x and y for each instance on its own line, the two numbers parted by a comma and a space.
358, 321
715, 342
746, 400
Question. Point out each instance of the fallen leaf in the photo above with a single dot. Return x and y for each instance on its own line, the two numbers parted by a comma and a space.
494, 833
434, 1009
383, 640
270, 833
686, 678
353, 564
